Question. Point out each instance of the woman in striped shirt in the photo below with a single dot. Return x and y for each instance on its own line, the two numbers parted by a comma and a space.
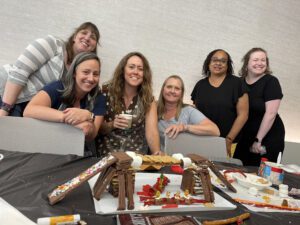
43, 61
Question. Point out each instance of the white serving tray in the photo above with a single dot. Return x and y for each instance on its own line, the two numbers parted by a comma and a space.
108, 204
242, 193
292, 168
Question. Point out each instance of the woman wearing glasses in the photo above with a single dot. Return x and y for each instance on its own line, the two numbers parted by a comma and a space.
221, 96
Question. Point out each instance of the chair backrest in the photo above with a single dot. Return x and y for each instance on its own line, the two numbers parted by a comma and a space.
213, 148
31, 135
291, 153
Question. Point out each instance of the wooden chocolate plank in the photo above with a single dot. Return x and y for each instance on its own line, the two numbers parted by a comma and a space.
98, 190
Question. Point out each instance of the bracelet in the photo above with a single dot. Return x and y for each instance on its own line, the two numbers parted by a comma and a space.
257, 140
6, 107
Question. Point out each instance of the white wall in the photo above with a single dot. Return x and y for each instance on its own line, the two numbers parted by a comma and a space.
175, 35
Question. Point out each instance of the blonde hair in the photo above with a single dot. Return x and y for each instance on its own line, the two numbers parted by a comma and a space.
161, 100
117, 84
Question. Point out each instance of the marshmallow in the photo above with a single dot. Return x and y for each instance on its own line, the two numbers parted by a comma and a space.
186, 162
131, 154
177, 156
137, 162
283, 187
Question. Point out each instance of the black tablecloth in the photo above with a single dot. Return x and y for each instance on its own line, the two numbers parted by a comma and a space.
27, 178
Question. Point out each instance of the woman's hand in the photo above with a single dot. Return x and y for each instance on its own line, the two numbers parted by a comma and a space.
173, 130
120, 122
86, 127
158, 153
256, 147
3, 113
74, 116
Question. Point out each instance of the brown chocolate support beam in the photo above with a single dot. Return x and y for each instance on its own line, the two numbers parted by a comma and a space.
129, 189
103, 182
121, 178
220, 176
206, 183
100, 179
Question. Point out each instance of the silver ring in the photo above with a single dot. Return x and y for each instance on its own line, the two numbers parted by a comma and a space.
1, 157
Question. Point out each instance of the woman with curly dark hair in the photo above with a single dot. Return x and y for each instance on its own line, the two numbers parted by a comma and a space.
222, 97
130, 92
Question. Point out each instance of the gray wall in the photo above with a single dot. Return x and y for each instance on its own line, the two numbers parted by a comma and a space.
175, 35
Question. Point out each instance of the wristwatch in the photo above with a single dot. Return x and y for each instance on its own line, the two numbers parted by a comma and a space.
256, 140
92, 117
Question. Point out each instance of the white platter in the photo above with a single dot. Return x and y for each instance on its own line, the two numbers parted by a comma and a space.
243, 193
108, 204
291, 168
252, 180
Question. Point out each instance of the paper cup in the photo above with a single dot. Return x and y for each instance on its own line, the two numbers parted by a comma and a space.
128, 117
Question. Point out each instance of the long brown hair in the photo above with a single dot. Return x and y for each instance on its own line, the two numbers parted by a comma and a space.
244, 70
69, 83
117, 84
70, 42
161, 100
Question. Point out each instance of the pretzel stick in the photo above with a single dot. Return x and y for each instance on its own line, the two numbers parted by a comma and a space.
227, 221
162, 160
261, 204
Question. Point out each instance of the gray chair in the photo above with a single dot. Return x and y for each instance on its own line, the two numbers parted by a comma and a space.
31, 135
213, 148
291, 153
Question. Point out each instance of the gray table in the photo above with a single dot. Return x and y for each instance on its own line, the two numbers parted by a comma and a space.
27, 178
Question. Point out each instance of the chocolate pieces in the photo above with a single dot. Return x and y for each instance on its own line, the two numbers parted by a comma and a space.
200, 160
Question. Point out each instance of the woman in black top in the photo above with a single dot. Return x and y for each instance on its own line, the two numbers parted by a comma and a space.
264, 126
221, 96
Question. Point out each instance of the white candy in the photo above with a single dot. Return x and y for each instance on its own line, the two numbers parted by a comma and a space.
131, 154
283, 187
137, 162
177, 156
186, 162
283, 191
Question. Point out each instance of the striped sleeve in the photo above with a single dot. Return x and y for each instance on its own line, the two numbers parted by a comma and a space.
35, 55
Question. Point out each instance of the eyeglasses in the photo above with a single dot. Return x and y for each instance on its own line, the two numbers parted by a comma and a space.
216, 60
